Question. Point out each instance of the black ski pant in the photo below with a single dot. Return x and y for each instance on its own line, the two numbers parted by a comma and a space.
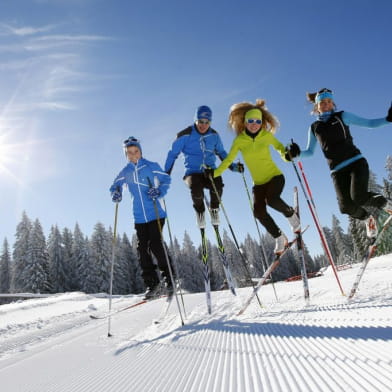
269, 194
351, 187
197, 183
150, 243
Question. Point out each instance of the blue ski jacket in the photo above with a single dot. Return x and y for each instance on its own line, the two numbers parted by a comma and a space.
199, 150
138, 178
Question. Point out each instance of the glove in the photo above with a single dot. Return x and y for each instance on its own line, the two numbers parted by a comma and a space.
292, 151
117, 195
389, 116
209, 172
237, 167
153, 193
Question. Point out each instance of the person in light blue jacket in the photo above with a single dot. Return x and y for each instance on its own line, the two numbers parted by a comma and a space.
200, 144
349, 168
147, 183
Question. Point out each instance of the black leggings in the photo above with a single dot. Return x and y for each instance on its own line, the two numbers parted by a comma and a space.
197, 183
269, 194
351, 187
149, 241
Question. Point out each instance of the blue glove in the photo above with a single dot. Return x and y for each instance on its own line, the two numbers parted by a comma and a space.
153, 193
117, 195
237, 167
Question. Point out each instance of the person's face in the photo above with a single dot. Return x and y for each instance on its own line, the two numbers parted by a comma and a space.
133, 154
202, 125
253, 125
325, 105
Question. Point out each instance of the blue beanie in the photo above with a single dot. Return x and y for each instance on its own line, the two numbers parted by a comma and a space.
203, 112
132, 141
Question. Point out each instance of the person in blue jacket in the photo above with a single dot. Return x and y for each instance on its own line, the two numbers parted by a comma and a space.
200, 144
349, 168
146, 182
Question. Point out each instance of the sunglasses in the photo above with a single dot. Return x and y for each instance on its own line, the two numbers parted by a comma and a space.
205, 122
253, 120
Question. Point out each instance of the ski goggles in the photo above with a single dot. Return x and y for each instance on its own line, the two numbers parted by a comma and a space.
131, 141
253, 121
204, 122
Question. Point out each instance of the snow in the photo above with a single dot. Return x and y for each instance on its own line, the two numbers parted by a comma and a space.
332, 344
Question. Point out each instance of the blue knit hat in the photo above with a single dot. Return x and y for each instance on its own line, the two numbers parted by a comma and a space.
132, 141
203, 112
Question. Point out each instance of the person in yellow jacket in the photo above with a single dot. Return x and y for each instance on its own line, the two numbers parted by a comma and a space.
255, 127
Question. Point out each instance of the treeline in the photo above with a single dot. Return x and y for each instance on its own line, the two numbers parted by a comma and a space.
70, 261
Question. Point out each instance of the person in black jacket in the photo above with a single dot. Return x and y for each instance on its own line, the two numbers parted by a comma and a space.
349, 168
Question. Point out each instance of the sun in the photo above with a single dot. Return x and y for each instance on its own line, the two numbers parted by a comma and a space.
9, 154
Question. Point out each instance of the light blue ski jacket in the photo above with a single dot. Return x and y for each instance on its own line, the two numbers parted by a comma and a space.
139, 178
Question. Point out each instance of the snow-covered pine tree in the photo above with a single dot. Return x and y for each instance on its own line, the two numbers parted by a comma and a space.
58, 275
101, 254
80, 257
69, 267
5, 268
136, 271
191, 266
342, 244
19, 257
36, 272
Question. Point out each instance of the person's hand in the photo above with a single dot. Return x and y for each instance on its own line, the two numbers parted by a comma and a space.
389, 116
153, 193
292, 151
208, 172
117, 195
237, 167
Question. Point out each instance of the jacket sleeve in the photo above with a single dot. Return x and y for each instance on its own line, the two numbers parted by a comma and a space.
118, 182
311, 145
278, 146
228, 160
172, 155
164, 179
220, 150
350, 118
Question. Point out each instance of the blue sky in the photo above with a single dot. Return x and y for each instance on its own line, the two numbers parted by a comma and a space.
79, 76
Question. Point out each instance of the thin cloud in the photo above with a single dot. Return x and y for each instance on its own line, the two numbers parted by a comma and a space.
26, 31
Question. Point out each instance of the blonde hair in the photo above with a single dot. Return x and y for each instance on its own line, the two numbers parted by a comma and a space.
311, 97
237, 116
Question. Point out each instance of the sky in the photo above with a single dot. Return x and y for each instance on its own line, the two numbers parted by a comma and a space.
79, 76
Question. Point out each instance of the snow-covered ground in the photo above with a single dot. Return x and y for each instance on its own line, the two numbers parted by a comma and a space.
52, 344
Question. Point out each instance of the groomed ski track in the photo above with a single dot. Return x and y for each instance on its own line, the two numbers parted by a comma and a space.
330, 345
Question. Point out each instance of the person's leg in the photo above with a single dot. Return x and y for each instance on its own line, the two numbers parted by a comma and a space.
156, 246
147, 265
196, 185
214, 198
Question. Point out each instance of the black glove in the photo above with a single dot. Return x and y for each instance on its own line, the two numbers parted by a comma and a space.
292, 151
389, 116
209, 172
240, 167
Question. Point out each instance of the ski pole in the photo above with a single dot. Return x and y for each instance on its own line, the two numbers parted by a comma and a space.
112, 267
174, 258
318, 225
234, 236
265, 265
165, 251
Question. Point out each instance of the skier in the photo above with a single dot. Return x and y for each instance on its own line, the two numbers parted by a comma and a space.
146, 182
200, 144
349, 168
255, 126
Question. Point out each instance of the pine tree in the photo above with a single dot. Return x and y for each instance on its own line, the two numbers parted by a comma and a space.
19, 256
58, 274
342, 246
101, 249
69, 267
36, 271
80, 257
5, 268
